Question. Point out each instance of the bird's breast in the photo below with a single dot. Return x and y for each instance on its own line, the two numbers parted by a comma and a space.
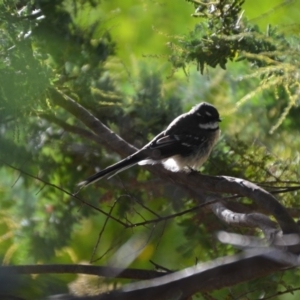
195, 159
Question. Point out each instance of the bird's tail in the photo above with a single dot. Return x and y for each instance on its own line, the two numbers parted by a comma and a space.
112, 170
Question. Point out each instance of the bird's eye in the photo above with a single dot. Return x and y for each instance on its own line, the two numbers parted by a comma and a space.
208, 113
198, 114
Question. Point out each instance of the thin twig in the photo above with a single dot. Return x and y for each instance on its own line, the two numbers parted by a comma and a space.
160, 219
64, 191
101, 232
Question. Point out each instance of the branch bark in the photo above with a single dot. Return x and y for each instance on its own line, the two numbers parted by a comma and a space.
255, 220
205, 277
109, 272
220, 273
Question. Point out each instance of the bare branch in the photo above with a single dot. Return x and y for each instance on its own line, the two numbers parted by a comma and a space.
71, 128
239, 240
205, 277
217, 274
101, 232
226, 184
107, 137
109, 272
255, 220
172, 216
191, 181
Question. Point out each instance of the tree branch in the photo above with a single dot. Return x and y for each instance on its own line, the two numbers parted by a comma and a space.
71, 128
217, 274
106, 136
109, 272
226, 184
255, 220
191, 181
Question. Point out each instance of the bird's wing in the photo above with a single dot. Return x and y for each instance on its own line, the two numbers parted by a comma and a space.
173, 144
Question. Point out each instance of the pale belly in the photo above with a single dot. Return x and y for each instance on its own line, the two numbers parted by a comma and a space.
195, 161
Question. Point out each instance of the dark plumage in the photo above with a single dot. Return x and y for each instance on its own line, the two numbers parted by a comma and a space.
186, 143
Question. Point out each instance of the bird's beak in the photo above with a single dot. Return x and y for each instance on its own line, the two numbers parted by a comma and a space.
219, 120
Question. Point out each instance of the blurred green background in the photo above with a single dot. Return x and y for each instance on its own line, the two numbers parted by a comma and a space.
113, 57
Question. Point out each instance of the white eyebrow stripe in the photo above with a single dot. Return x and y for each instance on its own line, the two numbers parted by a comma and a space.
210, 125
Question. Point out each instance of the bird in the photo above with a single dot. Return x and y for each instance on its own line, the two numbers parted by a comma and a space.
183, 146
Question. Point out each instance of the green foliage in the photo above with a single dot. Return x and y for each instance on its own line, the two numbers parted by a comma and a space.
207, 44
74, 47
223, 35
24, 77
